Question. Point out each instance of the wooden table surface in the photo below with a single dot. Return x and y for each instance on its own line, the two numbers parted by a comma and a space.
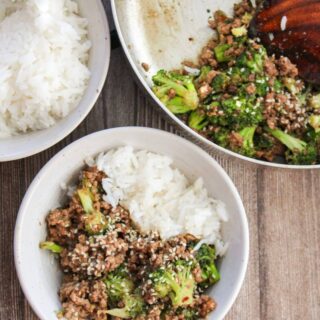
283, 276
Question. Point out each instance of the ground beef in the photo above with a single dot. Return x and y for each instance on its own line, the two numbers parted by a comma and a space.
251, 88
97, 257
204, 91
83, 300
285, 112
270, 68
205, 305
241, 8
60, 226
286, 67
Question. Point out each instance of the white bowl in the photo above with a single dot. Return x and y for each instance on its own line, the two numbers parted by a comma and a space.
24, 145
39, 274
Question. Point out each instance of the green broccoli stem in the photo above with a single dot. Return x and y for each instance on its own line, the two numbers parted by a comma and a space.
247, 134
51, 246
96, 222
86, 199
197, 120
119, 312
220, 51
292, 143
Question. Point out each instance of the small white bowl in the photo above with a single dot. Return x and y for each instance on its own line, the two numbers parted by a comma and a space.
25, 145
39, 274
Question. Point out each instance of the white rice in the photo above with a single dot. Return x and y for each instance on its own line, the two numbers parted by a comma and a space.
159, 197
283, 23
44, 50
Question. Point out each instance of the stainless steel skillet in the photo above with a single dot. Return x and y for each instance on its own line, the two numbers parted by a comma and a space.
161, 34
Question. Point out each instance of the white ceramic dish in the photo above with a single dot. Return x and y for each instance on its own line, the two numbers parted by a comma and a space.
38, 272
162, 33
28, 144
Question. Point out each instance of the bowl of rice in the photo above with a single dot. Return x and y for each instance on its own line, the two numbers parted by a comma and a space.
167, 184
54, 58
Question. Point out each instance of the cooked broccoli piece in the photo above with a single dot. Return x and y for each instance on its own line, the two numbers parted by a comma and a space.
220, 82
86, 199
206, 256
291, 85
176, 281
203, 74
197, 120
240, 31
118, 284
255, 62
238, 112
314, 101
238, 75
299, 152
160, 285
134, 306
186, 97
277, 86
246, 18
314, 122
292, 143
51, 246
220, 52
95, 221
247, 148
262, 86
221, 137
188, 313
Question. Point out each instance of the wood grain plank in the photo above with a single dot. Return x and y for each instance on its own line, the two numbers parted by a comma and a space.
289, 227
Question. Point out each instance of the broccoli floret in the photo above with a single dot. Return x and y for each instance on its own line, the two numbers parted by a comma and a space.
238, 112
240, 31
197, 120
95, 221
299, 152
291, 85
160, 284
314, 122
176, 281
247, 148
262, 86
238, 75
220, 82
186, 97
255, 62
314, 101
189, 313
246, 18
118, 284
206, 256
51, 246
221, 137
203, 74
277, 86
134, 306
220, 52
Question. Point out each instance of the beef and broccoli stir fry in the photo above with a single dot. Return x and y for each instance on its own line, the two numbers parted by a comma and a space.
243, 99
113, 271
